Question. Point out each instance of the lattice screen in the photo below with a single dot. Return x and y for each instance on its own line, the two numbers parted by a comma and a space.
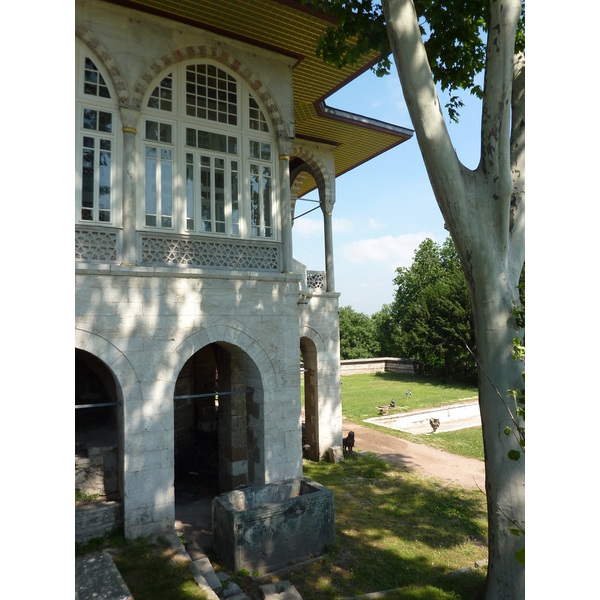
315, 280
200, 253
95, 245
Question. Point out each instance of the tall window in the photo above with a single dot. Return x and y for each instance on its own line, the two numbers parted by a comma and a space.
212, 171
96, 165
159, 155
261, 189
96, 149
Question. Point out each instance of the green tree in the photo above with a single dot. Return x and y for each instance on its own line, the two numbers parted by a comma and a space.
432, 309
388, 333
358, 336
450, 42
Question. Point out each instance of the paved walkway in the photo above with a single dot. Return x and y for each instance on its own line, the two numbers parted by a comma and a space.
451, 468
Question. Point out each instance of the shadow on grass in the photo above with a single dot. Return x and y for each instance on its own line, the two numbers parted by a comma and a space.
423, 380
148, 568
395, 530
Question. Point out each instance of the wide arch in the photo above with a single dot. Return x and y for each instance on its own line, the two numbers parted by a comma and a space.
225, 58
232, 332
259, 374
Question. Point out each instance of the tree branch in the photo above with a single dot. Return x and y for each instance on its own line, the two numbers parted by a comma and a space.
441, 162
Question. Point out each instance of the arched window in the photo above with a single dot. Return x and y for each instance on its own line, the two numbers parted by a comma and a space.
96, 149
207, 156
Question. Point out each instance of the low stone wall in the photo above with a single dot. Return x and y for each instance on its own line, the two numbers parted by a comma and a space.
95, 519
359, 366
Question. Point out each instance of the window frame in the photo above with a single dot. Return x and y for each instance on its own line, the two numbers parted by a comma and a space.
144, 143
242, 132
97, 103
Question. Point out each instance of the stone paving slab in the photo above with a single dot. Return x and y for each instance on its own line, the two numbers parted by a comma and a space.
97, 578
206, 570
283, 590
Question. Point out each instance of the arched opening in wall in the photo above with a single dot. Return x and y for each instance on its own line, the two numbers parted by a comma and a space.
219, 437
307, 217
98, 474
310, 437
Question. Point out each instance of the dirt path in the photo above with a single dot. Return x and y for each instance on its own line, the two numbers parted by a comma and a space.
467, 472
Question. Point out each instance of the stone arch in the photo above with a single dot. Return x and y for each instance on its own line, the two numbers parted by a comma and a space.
219, 55
128, 383
310, 356
314, 335
242, 363
127, 389
232, 332
92, 42
317, 169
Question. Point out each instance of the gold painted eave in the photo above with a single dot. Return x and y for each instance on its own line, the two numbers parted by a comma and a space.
290, 28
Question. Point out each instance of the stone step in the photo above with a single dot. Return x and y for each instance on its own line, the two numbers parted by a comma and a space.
97, 578
206, 570
283, 590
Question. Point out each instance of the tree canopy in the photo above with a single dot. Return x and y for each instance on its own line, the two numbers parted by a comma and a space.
455, 45
433, 311
358, 335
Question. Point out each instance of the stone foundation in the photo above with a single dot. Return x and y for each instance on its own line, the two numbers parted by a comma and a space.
95, 519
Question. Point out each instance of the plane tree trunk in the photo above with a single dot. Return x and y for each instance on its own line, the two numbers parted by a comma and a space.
484, 211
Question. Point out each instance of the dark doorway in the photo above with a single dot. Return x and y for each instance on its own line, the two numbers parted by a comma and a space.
96, 430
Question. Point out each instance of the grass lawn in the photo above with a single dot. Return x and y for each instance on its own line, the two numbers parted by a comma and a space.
396, 530
361, 394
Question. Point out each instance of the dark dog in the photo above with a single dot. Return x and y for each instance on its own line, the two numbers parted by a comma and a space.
349, 442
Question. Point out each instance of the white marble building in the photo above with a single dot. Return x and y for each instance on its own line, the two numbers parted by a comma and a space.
191, 152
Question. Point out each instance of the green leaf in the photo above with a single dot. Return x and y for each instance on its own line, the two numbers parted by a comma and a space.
514, 455
520, 556
507, 430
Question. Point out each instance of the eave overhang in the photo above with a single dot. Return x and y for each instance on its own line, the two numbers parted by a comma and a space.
290, 28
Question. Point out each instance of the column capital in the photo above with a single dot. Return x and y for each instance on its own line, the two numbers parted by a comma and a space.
129, 117
327, 207
285, 146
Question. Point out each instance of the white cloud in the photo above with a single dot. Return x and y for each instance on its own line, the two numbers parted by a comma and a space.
394, 251
374, 225
306, 227
343, 225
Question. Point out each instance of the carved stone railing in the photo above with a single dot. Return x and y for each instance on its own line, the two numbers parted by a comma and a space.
316, 280
157, 249
97, 244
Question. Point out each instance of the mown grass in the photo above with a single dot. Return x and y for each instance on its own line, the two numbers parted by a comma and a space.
396, 530
361, 394
148, 568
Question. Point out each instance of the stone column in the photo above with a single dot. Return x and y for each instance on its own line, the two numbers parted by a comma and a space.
286, 204
129, 118
327, 208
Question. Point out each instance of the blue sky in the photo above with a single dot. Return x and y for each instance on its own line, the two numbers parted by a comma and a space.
385, 208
